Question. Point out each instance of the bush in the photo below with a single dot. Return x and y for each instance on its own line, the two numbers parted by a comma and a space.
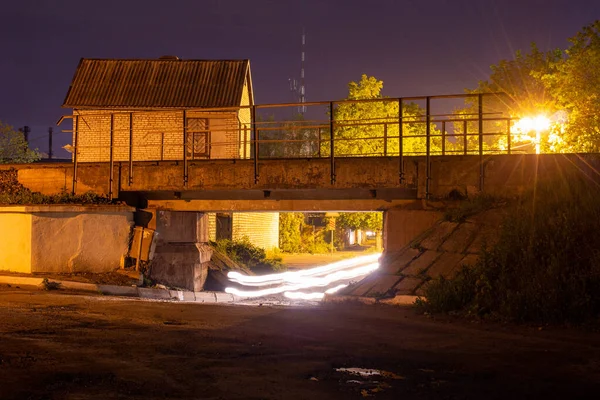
12, 192
290, 232
545, 267
245, 253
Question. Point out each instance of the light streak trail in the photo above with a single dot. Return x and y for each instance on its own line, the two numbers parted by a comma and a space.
313, 295
307, 282
299, 276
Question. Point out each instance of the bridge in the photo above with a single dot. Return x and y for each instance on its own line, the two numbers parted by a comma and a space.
344, 155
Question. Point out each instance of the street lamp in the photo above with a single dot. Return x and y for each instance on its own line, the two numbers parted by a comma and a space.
538, 124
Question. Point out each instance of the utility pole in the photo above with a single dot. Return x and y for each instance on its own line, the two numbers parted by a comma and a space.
50, 143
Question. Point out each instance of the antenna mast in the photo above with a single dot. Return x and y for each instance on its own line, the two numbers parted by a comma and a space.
302, 108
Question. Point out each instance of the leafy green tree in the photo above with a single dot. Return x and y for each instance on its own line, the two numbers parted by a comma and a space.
290, 232
14, 148
285, 139
573, 82
372, 129
361, 220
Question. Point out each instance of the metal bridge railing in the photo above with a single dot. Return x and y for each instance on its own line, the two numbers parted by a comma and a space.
385, 127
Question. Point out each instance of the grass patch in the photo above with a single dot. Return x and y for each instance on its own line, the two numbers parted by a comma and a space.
545, 267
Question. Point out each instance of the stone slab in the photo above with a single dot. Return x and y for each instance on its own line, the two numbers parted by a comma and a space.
383, 284
114, 290
461, 238
20, 280
362, 287
400, 300
438, 235
155, 294
445, 265
421, 264
221, 297
395, 262
469, 259
407, 285
205, 297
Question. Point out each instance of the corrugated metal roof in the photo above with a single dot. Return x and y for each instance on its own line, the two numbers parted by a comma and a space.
110, 83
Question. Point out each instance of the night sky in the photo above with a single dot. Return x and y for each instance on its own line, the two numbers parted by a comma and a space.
417, 47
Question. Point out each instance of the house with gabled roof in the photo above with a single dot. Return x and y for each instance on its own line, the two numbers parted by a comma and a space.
146, 107
146, 103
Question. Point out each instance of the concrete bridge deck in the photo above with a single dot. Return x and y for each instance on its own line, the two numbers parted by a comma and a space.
362, 183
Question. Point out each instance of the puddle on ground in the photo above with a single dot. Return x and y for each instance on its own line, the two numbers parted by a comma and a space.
372, 380
367, 373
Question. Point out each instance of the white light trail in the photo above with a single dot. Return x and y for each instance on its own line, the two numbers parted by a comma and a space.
312, 296
299, 276
307, 282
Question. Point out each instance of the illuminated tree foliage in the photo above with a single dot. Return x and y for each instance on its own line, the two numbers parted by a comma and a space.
13, 147
361, 220
372, 128
574, 84
564, 85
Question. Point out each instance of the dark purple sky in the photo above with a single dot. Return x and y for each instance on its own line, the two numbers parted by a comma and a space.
417, 47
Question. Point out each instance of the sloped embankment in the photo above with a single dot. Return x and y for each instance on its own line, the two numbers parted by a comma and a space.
439, 251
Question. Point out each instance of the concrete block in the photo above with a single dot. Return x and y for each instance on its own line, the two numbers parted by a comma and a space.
461, 238
445, 265
420, 265
176, 294
205, 297
383, 284
221, 297
114, 290
469, 260
400, 300
20, 280
86, 287
362, 287
179, 265
187, 296
438, 235
407, 285
394, 262
155, 294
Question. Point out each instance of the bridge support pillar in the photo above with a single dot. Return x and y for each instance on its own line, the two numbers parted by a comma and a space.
182, 251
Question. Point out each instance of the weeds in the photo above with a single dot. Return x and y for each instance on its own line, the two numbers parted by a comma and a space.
545, 266
49, 285
469, 207
245, 253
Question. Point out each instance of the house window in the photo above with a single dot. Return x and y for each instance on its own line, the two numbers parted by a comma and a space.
198, 138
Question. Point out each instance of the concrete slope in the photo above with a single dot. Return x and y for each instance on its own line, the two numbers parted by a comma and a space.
439, 251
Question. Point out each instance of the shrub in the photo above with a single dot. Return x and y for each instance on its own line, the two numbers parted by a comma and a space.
545, 267
243, 252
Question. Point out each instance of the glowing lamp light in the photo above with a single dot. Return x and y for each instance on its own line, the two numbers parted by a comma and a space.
536, 124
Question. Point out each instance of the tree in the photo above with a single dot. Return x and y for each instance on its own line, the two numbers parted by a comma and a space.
371, 128
14, 148
361, 220
573, 81
290, 232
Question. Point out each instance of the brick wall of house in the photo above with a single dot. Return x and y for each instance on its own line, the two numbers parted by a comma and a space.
261, 228
157, 135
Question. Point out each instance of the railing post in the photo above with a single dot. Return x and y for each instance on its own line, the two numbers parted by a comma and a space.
428, 146
331, 144
111, 156
480, 112
75, 151
443, 138
401, 140
508, 138
385, 139
255, 136
319, 142
466, 142
130, 175
185, 144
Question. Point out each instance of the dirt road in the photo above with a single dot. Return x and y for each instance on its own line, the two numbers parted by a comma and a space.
59, 346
